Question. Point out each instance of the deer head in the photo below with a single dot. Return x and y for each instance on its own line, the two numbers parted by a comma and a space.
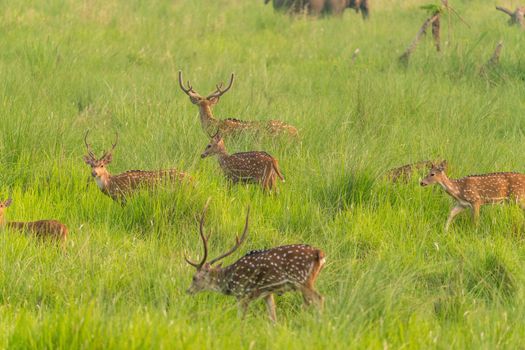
209, 100
98, 165
206, 276
215, 146
436, 174
4, 204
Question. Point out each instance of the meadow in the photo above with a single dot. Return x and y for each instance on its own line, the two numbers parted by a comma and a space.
393, 278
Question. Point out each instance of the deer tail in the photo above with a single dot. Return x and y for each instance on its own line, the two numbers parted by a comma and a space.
275, 166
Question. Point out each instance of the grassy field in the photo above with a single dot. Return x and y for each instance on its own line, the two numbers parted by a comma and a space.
393, 278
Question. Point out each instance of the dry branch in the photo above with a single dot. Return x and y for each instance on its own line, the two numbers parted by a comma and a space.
412, 47
516, 17
494, 59
436, 26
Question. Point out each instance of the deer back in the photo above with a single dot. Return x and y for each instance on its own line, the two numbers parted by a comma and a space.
43, 228
129, 181
274, 270
247, 164
491, 187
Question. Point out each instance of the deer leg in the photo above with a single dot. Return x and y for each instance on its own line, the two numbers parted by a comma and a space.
455, 211
243, 307
270, 306
310, 295
475, 213
266, 178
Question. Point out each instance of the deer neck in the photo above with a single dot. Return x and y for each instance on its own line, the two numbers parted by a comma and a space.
103, 181
208, 121
451, 187
223, 280
218, 280
222, 156
2, 219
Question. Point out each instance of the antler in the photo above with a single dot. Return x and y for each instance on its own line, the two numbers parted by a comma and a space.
219, 92
88, 146
113, 145
189, 90
204, 240
213, 135
238, 241
9, 198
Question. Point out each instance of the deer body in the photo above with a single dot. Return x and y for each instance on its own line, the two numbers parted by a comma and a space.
45, 229
276, 270
477, 190
249, 167
261, 274
230, 126
118, 187
404, 173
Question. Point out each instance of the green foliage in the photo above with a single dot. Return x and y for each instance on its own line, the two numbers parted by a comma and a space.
432, 9
393, 278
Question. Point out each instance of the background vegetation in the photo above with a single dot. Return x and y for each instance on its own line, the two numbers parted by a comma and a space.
393, 278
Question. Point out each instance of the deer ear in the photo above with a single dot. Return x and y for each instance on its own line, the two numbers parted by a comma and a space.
87, 160
108, 158
8, 202
213, 100
443, 165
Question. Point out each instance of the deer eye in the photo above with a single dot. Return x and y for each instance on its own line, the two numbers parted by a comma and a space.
208, 146
432, 174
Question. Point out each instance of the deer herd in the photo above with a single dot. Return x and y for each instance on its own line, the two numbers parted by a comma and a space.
262, 273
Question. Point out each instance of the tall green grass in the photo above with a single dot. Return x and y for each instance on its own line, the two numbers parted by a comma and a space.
393, 278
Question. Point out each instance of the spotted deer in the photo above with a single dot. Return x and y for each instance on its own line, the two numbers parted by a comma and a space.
476, 190
248, 167
44, 229
120, 186
405, 172
229, 126
260, 273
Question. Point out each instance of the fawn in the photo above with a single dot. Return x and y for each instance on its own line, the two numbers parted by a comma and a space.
45, 229
229, 126
260, 273
476, 190
248, 167
404, 173
118, 187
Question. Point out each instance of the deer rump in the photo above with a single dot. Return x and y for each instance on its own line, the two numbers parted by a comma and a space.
275, 270
133, 180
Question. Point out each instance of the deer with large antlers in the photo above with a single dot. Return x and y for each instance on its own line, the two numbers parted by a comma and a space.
476, 190
44, 229
248, 167
231, 125
260, 273
120, 186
